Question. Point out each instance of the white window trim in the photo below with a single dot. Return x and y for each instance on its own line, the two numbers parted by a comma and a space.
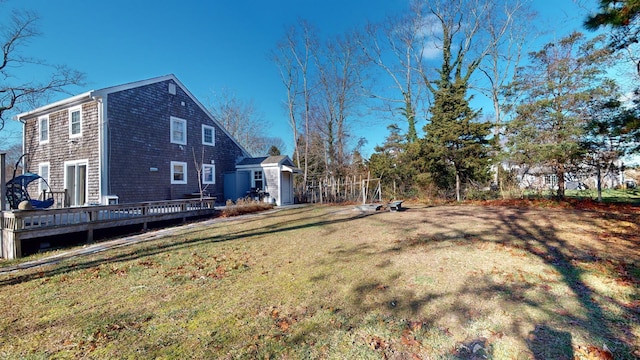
41, 183
71, 111
184, 124
213, 171
184, 166
40, 120
213, 135
253, 178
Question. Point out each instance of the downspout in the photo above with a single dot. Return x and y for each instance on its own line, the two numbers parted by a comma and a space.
103, 149
24, 149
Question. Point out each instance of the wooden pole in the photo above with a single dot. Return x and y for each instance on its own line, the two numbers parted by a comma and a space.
3, 182
3, 204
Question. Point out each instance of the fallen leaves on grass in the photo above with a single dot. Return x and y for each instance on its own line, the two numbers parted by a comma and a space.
593, 353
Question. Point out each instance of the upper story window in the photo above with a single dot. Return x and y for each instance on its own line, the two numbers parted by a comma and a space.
178, 172
208, 174
208, 135
75, 122
178, 131
43, 129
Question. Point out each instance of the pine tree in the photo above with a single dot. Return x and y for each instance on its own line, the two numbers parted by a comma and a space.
455, 141
551, 97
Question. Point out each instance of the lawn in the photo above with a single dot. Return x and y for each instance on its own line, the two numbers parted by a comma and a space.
328, 282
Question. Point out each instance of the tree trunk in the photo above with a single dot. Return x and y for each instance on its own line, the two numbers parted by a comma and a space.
560, 174
599, 182
458, 186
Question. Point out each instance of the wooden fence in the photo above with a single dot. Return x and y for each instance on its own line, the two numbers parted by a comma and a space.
338, 190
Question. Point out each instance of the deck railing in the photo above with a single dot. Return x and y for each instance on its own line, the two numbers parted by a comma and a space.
60, 198
18, 226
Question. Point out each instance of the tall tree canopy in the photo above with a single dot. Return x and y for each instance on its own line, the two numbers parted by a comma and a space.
551, 98
622, 16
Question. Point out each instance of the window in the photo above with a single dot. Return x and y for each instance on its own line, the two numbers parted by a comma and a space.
43, 171
257, 180
43, 129
208, 174
208, 135
178, 131
75, 122
178, 172
551, 180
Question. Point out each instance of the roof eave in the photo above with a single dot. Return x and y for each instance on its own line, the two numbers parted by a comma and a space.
47, 108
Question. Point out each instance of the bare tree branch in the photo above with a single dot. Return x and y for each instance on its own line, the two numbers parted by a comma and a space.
16, 94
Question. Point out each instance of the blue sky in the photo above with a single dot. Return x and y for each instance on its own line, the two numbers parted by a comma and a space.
212, 44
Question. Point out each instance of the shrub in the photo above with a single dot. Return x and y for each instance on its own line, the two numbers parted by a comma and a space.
243, 206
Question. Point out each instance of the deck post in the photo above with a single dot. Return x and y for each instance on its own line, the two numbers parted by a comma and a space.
3, 205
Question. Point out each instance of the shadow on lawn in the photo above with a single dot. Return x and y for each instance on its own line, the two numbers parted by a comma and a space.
522, 229
535, 232
302, 221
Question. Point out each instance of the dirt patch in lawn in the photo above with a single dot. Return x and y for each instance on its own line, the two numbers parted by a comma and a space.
458, 282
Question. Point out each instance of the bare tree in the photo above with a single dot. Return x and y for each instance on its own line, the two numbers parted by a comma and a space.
243, 122
14, 92
339, 65
293, 58
508, 32
398, 48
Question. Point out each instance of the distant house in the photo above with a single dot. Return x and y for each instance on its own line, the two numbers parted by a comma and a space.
545, 178
269, 177
141, 141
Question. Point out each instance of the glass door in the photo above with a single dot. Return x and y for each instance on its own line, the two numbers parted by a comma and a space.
75, 175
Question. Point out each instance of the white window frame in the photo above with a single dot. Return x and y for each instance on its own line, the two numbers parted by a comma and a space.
212, 167
45, 179
261, 179
71, 111
41, 120
184, 172
175, 120
213, 135
77, 198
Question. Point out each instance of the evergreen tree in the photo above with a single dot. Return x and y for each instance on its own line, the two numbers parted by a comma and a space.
622, 16
455, 142
391, 163
274, 151
607, 136
551, 97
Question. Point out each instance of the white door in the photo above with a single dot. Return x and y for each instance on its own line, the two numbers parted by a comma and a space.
286, 189
75, 180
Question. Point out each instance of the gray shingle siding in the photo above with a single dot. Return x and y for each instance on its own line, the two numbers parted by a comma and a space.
139, 139
61, 148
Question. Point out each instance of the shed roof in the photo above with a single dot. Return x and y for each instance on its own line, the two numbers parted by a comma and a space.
266, 160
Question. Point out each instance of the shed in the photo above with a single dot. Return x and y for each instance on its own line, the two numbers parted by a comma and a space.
272, 175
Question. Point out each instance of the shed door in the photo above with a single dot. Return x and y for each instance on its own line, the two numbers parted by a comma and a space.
286, 188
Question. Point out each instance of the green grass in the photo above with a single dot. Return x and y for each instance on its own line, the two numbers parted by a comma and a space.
332, 283
631, 196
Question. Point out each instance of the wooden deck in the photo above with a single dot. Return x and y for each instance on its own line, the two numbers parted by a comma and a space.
19, 226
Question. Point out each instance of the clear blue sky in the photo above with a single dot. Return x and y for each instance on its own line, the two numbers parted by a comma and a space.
212, 44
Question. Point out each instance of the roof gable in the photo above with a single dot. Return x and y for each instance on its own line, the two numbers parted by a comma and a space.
94, 94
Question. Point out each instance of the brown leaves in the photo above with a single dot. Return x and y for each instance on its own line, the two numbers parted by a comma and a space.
593, 353
378, 343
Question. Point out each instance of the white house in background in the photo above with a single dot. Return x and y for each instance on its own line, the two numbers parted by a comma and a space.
272, 175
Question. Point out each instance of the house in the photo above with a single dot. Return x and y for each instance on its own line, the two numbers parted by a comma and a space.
269, 177
142, 141
545, 178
